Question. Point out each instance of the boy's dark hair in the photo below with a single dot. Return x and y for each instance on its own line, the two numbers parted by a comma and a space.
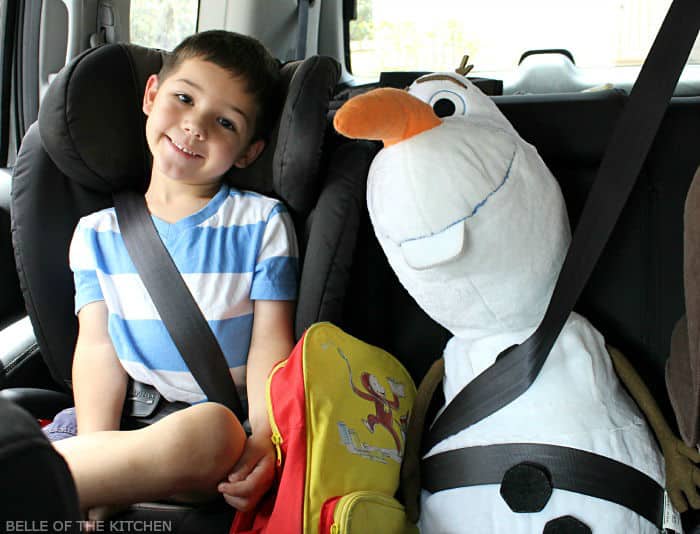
242, 56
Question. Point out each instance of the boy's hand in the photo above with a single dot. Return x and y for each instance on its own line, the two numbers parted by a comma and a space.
252, 475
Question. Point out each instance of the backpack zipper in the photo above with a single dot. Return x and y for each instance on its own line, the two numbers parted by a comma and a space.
345, 503
276, 436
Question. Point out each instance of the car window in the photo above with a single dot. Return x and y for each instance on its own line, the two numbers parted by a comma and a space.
414, 35
162, 23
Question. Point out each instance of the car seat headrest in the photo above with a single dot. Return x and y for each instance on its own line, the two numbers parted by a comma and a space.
93, 128
90, 119
289, 167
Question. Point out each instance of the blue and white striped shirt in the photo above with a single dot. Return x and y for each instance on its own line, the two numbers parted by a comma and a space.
238, 248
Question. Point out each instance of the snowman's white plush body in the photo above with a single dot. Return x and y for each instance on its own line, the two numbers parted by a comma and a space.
475, 227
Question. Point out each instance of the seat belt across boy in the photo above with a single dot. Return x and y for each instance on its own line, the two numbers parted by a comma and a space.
176, 306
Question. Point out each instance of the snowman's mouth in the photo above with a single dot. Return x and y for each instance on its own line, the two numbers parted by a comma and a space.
439, 247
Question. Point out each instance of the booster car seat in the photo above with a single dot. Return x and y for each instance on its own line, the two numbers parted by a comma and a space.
89, 142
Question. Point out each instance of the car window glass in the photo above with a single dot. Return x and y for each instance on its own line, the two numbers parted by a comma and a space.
409, 35
162, 23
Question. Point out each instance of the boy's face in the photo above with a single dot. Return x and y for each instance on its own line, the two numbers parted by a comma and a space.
200, 123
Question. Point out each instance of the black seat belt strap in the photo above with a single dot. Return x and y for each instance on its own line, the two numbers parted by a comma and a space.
517, 367
565, 468
172, 298
303, 7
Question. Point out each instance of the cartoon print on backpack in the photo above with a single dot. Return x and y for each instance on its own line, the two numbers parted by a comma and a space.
475, 227
385, 415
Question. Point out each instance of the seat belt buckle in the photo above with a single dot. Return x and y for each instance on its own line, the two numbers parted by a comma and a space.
141, 399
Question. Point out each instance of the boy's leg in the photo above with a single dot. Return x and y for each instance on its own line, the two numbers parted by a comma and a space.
189, 451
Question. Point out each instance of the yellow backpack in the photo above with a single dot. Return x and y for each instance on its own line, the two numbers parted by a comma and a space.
339, 411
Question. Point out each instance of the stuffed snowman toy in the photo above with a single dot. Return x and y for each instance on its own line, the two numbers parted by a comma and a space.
475, 227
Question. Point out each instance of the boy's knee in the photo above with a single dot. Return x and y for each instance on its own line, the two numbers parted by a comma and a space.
217, 423
213, 442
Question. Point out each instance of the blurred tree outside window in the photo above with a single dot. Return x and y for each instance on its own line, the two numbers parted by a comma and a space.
162, 23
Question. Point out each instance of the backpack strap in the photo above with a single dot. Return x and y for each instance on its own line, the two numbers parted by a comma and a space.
176, 306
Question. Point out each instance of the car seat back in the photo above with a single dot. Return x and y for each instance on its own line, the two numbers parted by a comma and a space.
11, 304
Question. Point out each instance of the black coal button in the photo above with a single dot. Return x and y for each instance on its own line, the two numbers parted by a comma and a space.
566, 525
526, 487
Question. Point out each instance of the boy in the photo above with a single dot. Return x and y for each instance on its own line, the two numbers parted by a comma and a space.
207, 111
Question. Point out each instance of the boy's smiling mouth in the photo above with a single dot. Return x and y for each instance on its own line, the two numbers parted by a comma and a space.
185, 151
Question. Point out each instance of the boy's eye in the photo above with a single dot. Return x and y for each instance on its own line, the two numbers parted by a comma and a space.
185, 99
226, 124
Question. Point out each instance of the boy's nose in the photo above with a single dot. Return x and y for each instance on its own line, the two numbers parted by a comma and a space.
194, 128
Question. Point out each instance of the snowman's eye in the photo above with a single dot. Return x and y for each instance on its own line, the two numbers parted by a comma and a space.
448, 103
444, 108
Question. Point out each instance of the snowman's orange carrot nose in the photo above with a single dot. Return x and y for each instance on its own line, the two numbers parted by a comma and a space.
385, 114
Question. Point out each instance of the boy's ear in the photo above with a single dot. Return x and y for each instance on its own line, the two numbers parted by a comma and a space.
149, 95
251, 154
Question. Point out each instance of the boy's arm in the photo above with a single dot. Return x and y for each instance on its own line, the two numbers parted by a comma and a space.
99, 380
272, 340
